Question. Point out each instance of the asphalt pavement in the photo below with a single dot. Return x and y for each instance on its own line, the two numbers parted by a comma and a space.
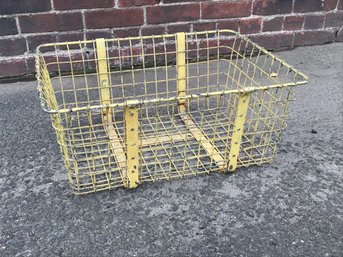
293, 207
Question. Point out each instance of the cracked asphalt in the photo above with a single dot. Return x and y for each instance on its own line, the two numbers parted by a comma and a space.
293, 207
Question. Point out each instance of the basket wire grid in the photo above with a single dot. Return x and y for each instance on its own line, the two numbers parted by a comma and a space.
129, 110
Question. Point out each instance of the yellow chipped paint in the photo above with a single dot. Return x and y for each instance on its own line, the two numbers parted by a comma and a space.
132, 143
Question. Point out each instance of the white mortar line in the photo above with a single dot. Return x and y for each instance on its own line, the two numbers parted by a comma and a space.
83, 24
292, 11
18, 25
252, 8
144, 16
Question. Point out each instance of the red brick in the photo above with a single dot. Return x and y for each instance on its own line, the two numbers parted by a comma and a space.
98, 34
174, 13
114, 18
50, 22
250, 26
147, 31
180, 1
130, 3
11, 68
178, 28
204, 26
69, 37
8, 26
160, 54
10, 47
72, 61
293, 22
274, 41
308, 5
314, 37
216, 10
229, 24
330, 4
273, 24
82, 4
270, 7
126, 33
24, 6
31, 65
334, 20
314, 21
34, 41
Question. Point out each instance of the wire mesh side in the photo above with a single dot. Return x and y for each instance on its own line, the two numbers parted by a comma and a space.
168, 145
86, 147
145, 67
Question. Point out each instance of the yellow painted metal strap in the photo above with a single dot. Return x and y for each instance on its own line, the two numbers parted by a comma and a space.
105, 99
131, 139
105, 93
204, 141
155, 140
237, 134
181, 69
117, 146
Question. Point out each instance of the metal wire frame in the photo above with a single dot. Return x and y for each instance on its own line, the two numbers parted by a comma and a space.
130, 110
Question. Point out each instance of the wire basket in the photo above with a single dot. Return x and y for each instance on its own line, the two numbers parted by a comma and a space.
130, 110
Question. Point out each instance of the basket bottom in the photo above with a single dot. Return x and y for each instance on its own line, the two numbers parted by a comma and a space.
171, 146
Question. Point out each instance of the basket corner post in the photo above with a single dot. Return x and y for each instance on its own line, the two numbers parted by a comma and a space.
242, 109
103, 69
181, 70
132, 146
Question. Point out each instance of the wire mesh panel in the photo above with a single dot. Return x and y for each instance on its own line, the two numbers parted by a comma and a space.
130, 110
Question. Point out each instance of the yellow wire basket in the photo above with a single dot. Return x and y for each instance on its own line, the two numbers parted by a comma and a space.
130, 110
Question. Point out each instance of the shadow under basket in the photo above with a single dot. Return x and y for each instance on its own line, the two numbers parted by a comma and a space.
130, 110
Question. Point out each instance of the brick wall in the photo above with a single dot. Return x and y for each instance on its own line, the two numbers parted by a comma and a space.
275, 24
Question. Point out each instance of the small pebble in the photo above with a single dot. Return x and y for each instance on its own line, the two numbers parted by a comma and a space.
313, 131
250, 214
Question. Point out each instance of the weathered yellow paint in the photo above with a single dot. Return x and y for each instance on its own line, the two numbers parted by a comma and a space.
242, 108
204, 141
105, 99
181, 69
132, 143
105, 92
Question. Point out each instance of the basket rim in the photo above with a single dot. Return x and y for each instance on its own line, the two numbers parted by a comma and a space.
137, 103
45, 108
